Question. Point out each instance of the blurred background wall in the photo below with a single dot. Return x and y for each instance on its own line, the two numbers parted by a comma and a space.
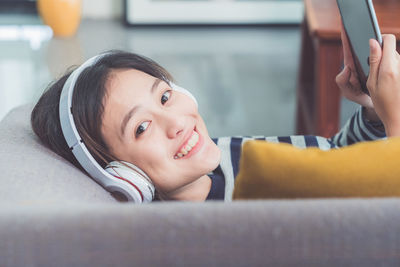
244, 77
102, 8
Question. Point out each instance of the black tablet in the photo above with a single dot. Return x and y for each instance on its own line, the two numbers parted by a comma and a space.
360, 24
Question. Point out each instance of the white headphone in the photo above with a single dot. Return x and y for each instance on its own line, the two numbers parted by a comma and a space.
118, 176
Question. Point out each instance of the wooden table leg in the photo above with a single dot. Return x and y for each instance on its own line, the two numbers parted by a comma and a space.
328, 61
305, 95
318, 97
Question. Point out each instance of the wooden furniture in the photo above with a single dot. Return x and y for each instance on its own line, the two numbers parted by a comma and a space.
318, 97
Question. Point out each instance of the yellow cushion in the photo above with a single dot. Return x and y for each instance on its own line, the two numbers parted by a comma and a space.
269, 170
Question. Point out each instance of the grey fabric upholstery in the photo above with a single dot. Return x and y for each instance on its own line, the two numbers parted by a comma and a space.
351, 232
53, 215
33, 173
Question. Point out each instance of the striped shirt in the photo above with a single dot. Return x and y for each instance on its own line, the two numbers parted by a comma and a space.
357, 129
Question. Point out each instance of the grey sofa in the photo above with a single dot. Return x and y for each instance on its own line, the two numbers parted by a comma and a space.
53, 215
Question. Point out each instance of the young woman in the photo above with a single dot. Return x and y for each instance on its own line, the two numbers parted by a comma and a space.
126, 109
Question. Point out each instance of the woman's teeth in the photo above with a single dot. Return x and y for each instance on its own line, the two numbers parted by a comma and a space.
190, 144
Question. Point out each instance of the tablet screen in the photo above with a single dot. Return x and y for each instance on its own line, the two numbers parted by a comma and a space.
360, 22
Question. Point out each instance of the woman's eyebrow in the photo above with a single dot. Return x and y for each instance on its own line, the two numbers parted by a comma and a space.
129, 115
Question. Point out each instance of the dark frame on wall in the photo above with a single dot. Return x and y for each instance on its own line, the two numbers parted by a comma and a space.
18, 6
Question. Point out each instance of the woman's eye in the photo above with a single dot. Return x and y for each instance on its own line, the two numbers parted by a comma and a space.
142, 127
165, 97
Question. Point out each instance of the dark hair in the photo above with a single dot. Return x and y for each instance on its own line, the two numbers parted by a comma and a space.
87, 107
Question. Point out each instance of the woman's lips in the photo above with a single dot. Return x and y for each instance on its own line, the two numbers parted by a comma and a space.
191, 146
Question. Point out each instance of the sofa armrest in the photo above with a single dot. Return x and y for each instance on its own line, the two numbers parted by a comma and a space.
318, 232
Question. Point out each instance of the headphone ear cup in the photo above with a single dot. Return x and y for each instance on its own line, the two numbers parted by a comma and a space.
184, 91
131, 174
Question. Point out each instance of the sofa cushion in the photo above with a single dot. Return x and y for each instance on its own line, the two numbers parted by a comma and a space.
368, 169
32, 173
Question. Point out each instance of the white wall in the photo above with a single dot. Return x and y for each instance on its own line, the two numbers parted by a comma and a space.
102, 8
113, 8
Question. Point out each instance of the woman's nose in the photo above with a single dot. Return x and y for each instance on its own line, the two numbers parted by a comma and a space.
173, 124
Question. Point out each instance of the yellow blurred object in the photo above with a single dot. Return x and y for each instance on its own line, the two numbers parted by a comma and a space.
365, 169
63, 16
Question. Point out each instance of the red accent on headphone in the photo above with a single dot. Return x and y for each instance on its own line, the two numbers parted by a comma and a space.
140, 192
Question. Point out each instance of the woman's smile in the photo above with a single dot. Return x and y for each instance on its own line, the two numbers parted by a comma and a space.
191, 146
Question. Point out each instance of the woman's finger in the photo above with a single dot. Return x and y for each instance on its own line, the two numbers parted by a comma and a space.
389, 47
342, 79
355, 83
375, 54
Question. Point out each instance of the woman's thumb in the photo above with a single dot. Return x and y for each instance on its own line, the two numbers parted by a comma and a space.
375, 55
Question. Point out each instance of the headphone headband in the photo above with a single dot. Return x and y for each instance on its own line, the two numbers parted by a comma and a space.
68, 125
76, 144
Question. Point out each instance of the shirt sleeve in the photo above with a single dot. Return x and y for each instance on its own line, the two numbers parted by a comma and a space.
358, 129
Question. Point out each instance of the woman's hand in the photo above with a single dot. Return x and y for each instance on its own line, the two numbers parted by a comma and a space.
384, 82
348, 82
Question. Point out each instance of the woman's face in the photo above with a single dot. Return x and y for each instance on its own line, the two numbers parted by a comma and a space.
153, 127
